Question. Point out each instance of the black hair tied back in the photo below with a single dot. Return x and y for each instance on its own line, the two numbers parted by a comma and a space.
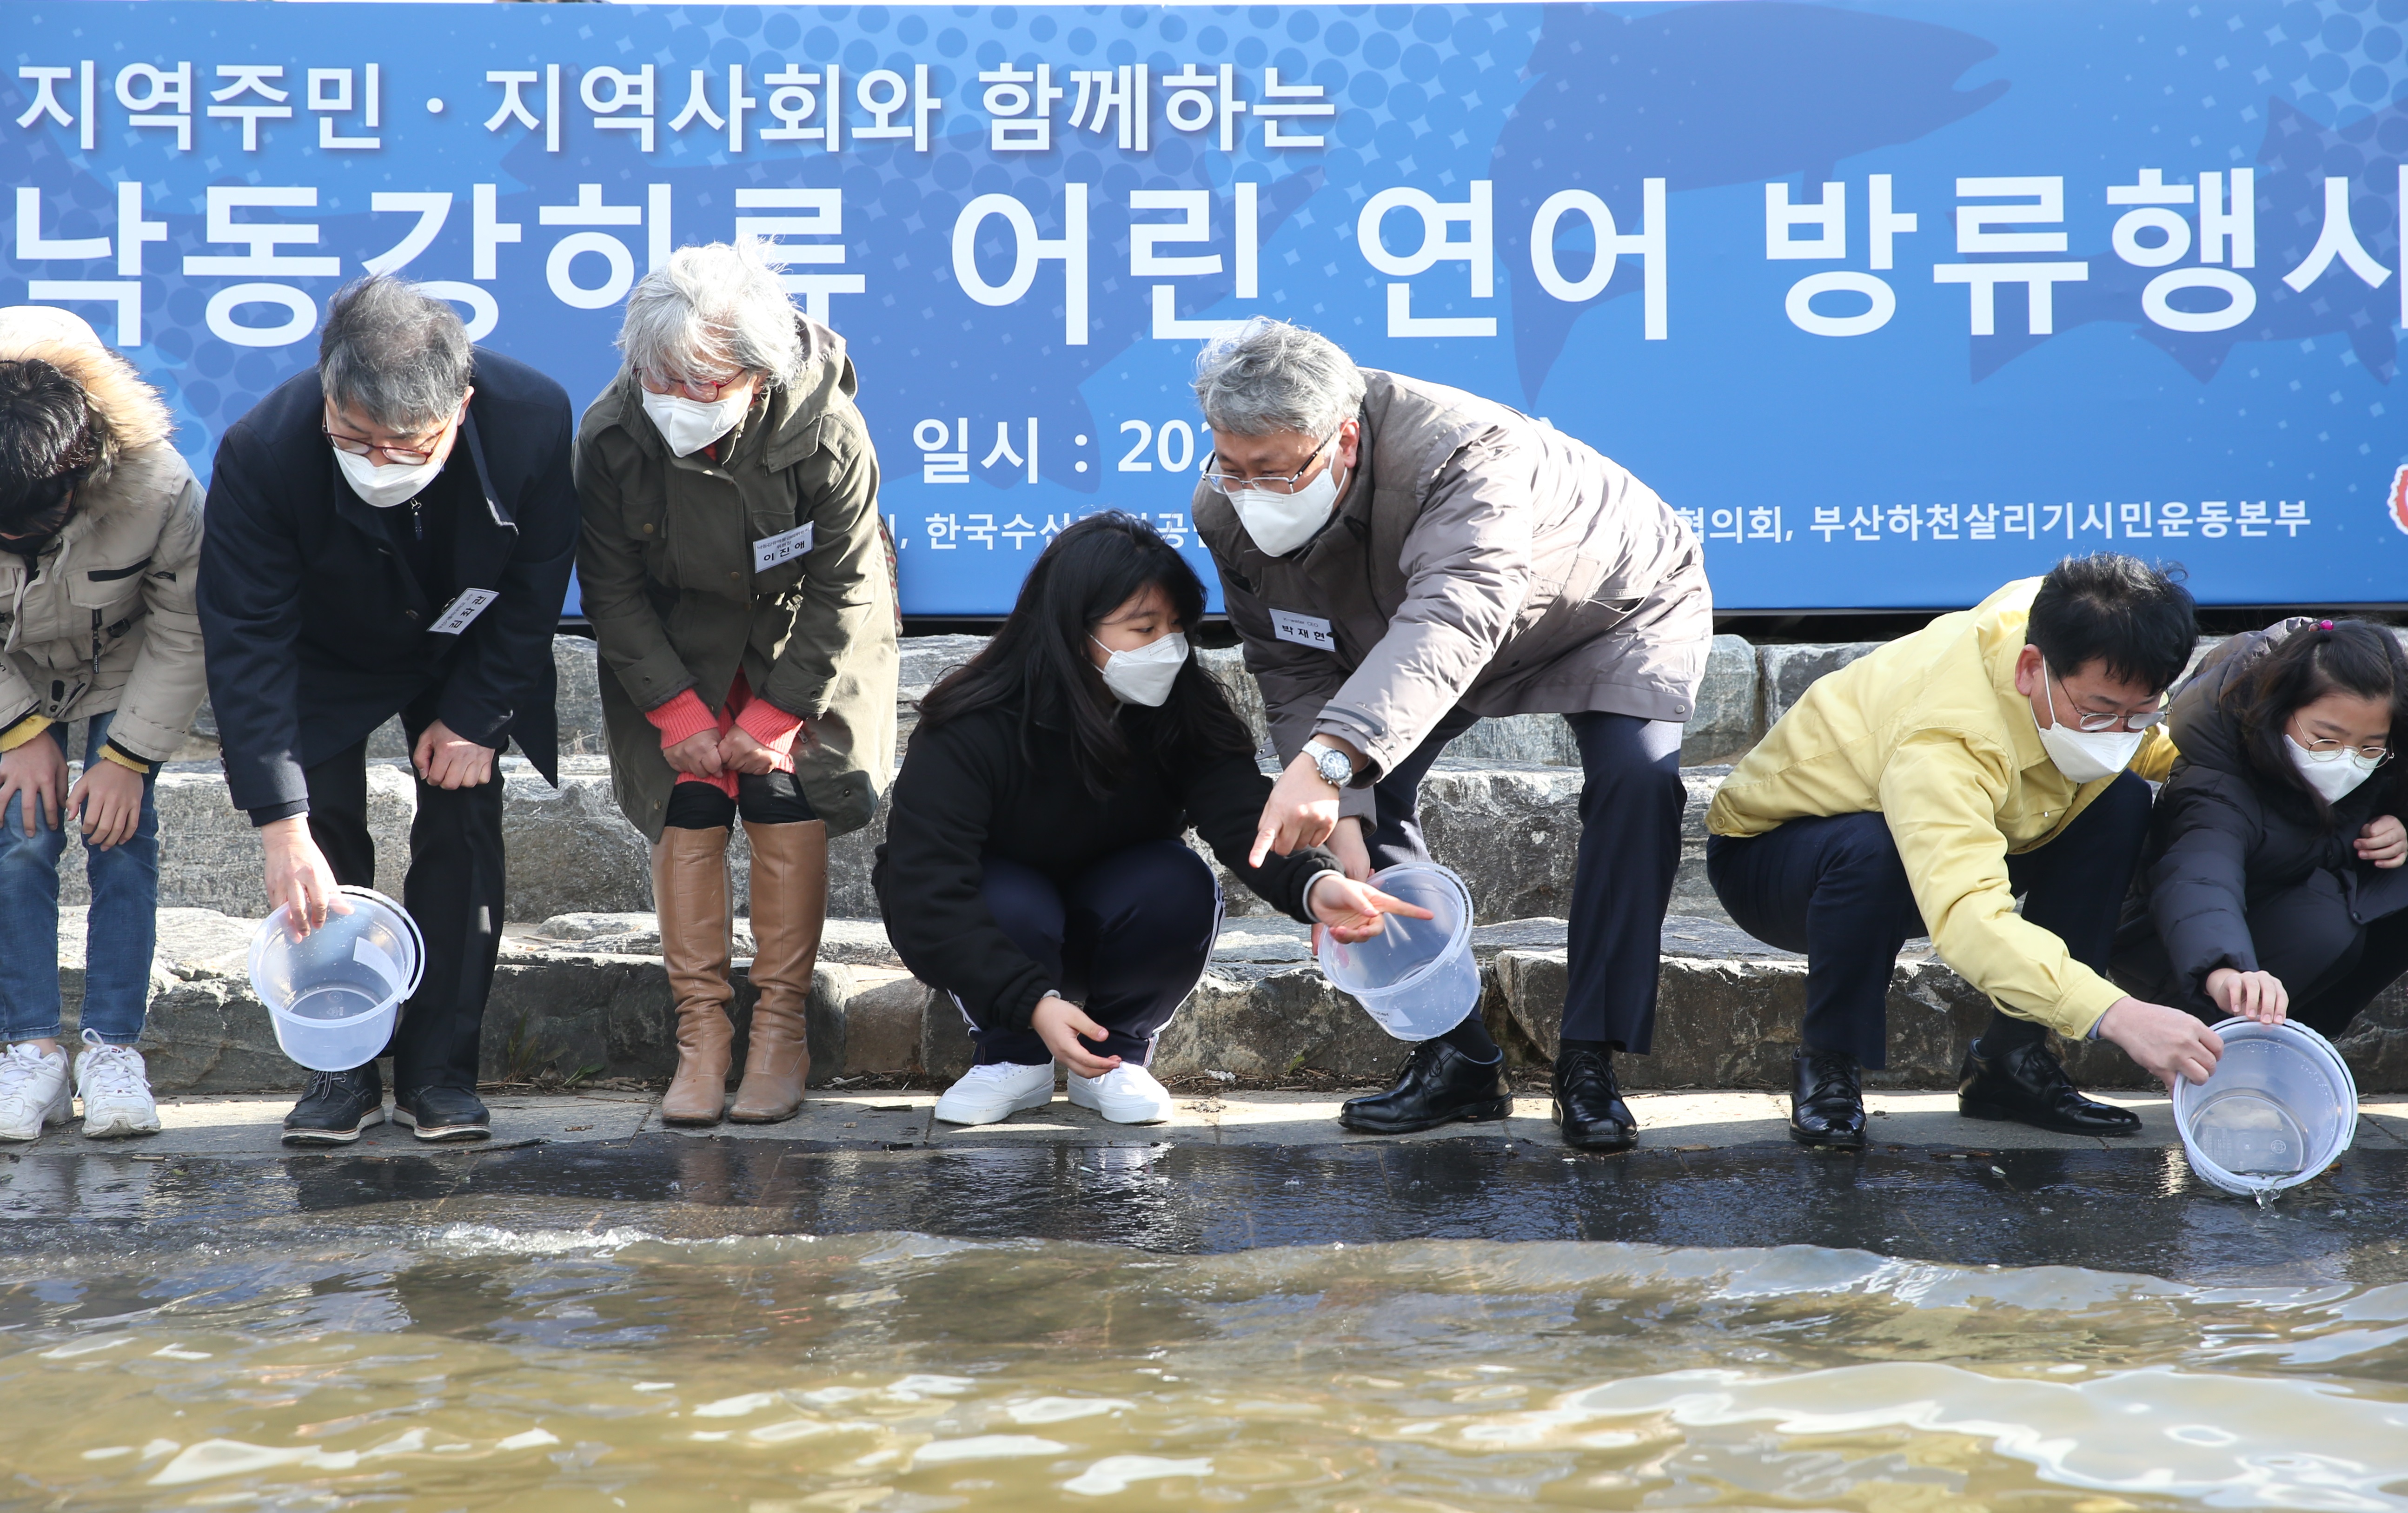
2317, 658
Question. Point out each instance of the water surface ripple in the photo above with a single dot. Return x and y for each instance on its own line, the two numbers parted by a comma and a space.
474, 1366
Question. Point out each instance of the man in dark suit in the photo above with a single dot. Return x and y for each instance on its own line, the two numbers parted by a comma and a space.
390, 533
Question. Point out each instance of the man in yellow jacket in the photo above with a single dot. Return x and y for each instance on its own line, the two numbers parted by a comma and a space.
1998, 752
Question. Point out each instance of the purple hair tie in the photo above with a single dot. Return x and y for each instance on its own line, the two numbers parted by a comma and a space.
2324, 624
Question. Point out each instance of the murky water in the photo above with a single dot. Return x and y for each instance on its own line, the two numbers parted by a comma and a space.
482, 1369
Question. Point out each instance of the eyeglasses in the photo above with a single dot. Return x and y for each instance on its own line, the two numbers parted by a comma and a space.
1238, 482
2085, 720
2093, 722
405, 456
704, 390
2367, 758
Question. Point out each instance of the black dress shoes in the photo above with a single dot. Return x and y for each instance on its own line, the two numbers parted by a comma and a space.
2027, 1085
1588, 1105
1826, 1103
443, 1114
336, 1106
1438, 1084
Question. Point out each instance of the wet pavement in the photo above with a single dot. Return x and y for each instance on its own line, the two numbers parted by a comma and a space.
838, 1119
597, 1164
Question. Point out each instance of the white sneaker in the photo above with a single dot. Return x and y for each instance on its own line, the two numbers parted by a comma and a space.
33, 1092
115, 1087
987, 1093
1127, 1095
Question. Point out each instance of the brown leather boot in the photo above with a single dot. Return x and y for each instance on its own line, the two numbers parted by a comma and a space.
690, 890
789, 907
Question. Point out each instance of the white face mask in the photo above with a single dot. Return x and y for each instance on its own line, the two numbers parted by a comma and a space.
688, 425
387, 484
1281, 522
1145, 674
2084, 755
2335, 779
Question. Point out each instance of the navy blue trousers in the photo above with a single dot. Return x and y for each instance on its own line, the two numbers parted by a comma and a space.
1631, 800
1127, 940
1834, 887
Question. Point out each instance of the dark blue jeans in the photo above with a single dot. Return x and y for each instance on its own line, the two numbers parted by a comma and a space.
1832, 887
1630, 806
1127, 940
120, 934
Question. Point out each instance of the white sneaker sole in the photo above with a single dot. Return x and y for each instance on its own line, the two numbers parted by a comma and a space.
58, 1113
1122, 1111
118, 1125
960, 1113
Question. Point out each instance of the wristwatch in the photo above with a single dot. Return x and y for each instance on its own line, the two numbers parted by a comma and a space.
1335, 767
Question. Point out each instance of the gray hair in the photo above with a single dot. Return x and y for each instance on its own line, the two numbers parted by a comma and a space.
1269, 376
394, 353
713, 308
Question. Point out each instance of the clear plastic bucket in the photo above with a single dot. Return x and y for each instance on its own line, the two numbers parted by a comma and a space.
334, 994
2281, 1108
1416, 978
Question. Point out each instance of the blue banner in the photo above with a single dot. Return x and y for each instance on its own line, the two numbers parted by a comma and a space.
1893, 301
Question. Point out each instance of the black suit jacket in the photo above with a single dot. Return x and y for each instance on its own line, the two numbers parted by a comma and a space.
316, 633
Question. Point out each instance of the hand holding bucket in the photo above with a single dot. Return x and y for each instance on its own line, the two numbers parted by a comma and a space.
301, 887
2281, 1108
334, 993
1350, 911
1413, 974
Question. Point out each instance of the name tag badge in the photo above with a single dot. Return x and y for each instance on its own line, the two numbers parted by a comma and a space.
460, 612
1304, 630
785, 547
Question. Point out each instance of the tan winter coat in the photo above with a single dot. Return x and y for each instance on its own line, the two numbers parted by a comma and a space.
665, 572
106, 622
1479, 558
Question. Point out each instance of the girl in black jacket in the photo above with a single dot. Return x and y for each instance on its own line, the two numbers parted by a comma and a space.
1032, 862
2271, 886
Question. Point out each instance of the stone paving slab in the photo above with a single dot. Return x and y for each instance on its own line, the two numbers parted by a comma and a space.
249, 1125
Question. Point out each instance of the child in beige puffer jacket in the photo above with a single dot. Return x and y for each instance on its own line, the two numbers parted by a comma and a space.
100, 533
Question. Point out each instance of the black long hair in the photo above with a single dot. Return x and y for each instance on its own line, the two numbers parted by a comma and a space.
2327, 656
1038, 665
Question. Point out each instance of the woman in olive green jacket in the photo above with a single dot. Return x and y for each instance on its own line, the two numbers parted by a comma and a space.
739, 586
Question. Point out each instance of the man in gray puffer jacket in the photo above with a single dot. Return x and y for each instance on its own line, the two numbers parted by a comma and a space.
1403, 559
100, 535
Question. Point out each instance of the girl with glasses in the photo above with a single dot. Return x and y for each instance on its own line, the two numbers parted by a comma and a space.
2271, 887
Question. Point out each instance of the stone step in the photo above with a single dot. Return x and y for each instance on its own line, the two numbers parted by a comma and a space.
1745, 689
1729, 719
1513, 832
1502, 807
587, 992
